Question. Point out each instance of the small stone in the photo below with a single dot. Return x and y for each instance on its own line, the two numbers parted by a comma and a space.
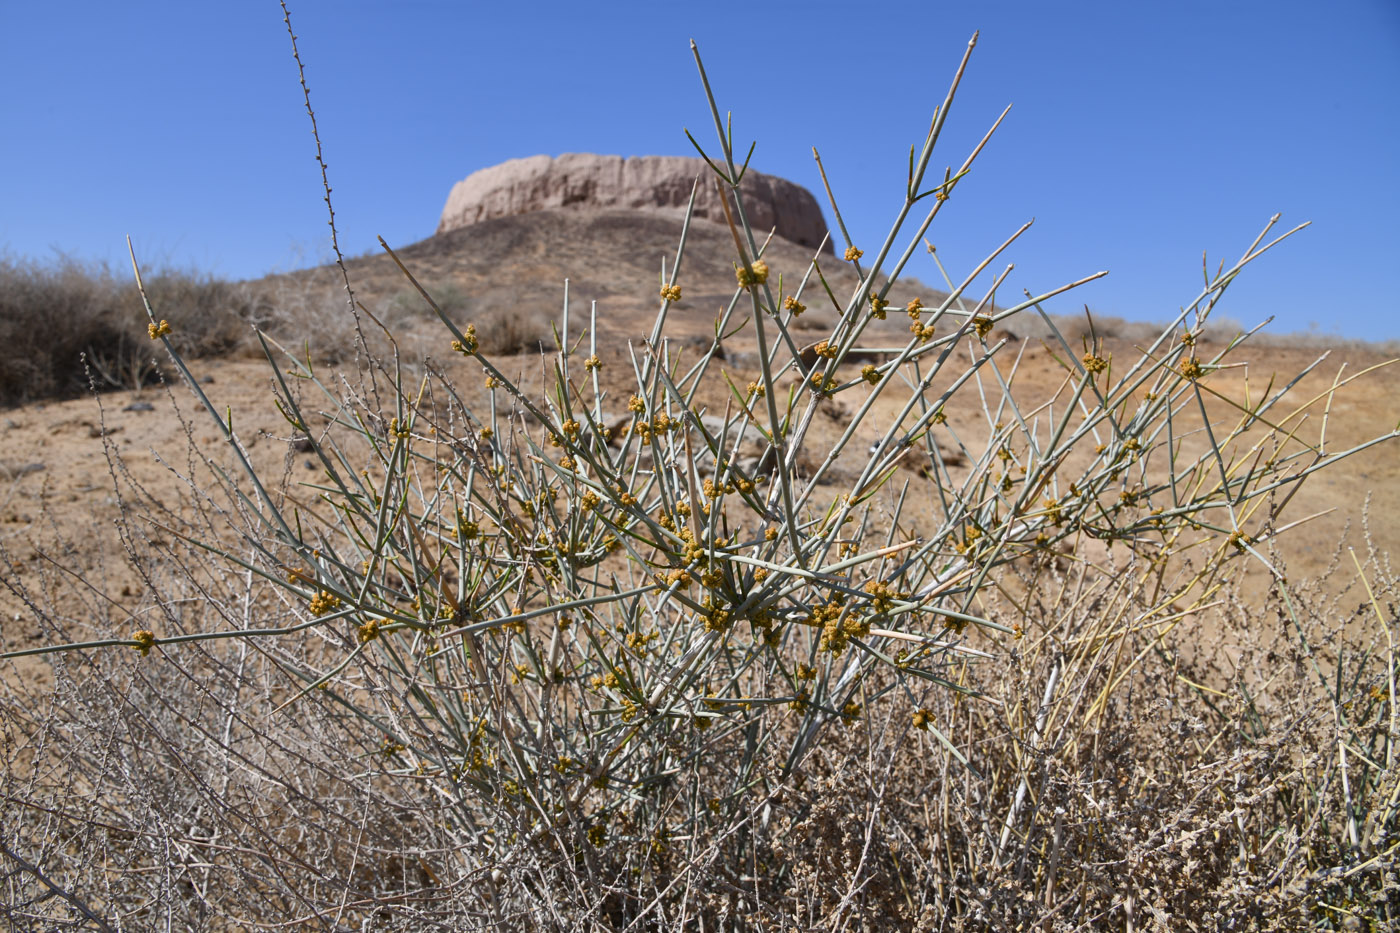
207, 380
140, 406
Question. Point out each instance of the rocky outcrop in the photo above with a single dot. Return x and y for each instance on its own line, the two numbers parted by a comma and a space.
578, 180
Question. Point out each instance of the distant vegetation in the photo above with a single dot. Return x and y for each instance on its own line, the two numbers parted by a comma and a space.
68, 326
53, 315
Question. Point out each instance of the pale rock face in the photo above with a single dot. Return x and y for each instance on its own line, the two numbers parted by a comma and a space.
580, 180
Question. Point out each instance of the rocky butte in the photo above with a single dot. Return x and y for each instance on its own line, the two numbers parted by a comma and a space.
661, 183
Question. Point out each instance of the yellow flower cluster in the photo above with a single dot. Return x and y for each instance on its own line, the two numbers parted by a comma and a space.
670, 293
1191, 368
638, 641
144, 641
158, 330
883, 596
605, 680
714, 490
692, 552
835, 632
658, 426
970, 538
755, 274
715, 616
469, 343
324, 602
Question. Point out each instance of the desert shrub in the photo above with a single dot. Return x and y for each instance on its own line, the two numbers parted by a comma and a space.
501, 665
450, 297
103, 320
310, 312
508, 330
505, 324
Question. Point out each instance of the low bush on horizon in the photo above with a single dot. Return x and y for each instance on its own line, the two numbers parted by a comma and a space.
646, 644
66, 326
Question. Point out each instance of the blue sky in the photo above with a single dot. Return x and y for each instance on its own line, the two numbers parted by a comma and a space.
1141, 133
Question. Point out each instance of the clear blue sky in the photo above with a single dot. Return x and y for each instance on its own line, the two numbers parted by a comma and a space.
1141, 133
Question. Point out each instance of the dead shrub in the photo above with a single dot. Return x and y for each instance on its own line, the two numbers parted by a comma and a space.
54, 314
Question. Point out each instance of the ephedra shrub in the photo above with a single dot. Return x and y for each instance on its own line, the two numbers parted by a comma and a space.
642, 643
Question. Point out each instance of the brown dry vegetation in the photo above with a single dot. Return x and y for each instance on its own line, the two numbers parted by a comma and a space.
53, 315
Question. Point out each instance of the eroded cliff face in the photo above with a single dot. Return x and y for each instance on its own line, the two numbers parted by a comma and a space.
641, 183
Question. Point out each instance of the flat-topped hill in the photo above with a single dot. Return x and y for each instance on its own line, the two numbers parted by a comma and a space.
648, 183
